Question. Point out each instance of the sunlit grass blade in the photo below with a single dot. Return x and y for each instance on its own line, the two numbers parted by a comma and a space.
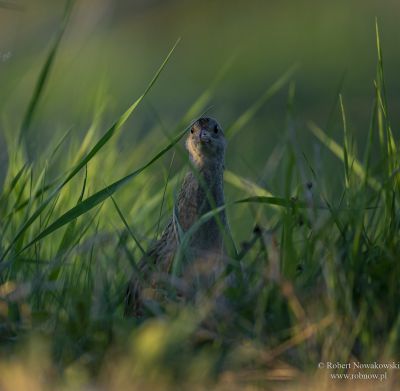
246, 117
337, 150
246, 185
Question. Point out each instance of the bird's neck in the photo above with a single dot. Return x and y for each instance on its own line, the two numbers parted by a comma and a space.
211, 171
205, 164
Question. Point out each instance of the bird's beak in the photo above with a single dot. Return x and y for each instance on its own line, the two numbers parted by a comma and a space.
203, 136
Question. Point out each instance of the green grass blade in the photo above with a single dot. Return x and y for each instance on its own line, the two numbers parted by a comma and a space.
345, 143
13, 183
163, 196
69, 232
44, 74
278, 201
246, 185
381, 80
60, 143
127, 226
368, 148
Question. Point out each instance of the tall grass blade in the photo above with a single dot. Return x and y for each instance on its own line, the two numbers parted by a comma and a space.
381, 80
44, 74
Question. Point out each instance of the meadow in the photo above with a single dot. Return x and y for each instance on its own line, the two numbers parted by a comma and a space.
313, 209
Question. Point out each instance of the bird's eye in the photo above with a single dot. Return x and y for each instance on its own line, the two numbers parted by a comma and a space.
192, 130
216, 129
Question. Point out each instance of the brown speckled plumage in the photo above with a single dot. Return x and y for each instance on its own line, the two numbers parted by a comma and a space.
206, 146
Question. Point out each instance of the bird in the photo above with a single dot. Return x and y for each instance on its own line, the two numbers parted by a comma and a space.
201, 191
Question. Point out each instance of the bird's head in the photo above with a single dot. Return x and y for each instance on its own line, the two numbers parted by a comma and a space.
206, 142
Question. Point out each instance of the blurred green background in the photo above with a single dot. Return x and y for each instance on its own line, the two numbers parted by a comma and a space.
111, 49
